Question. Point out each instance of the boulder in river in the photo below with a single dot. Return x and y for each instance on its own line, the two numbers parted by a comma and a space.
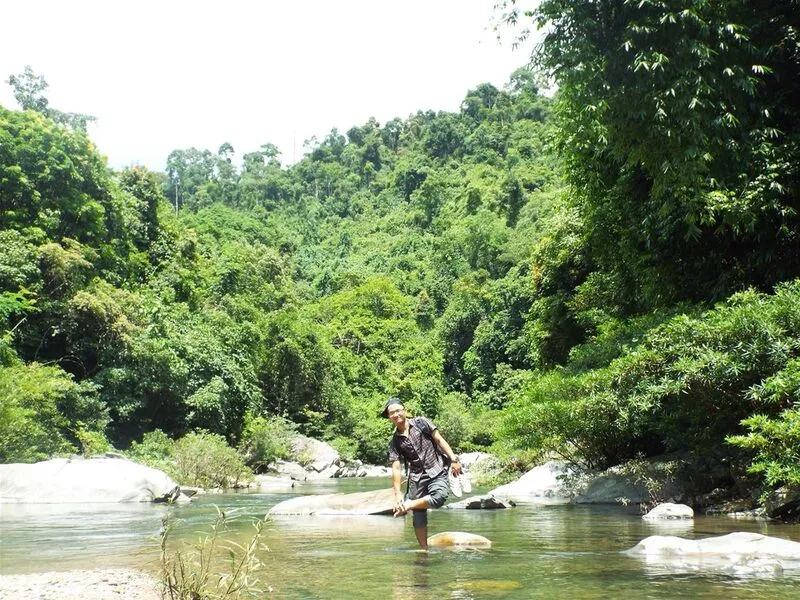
79, 480
669, 511
739, 553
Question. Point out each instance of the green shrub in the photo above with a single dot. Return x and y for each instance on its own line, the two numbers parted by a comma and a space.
686, 386
92, 443
265, 439
32, 426
775, 440
205, 459
155, 450
345, 446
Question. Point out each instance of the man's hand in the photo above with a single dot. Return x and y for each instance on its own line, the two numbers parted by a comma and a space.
455, 468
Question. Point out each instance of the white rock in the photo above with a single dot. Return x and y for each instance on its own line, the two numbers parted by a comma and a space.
668, 510
84, 480
270, 483
740, 553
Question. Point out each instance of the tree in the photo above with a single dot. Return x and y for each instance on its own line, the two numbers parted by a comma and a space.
28, 92
679, 133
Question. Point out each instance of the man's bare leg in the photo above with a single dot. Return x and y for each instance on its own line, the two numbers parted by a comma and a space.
419, 504
422, 536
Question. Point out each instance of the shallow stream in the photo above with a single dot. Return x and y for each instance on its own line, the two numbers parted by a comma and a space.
539, 552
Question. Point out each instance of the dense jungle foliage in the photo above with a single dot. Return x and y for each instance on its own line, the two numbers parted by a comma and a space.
608, 274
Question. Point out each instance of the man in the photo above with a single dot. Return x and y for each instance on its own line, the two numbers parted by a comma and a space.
417, 442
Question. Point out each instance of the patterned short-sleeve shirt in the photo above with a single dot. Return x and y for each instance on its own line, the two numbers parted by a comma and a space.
418, 449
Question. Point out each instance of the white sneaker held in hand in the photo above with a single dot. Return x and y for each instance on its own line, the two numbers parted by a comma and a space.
455, 484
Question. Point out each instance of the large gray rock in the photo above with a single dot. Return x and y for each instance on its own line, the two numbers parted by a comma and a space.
80, 480
357, 469
668, 510
541, 485
741, 553
784, 504
378, 502
610, 488
286, 469
315, 455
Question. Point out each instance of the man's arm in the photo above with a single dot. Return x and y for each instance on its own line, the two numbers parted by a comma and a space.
397, 482
445, 447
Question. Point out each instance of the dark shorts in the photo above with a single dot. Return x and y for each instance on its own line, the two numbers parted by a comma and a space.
437, 488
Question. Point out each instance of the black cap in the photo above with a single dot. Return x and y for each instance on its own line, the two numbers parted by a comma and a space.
389, 402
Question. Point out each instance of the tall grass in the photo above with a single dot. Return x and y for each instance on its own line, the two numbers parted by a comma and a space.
212, 568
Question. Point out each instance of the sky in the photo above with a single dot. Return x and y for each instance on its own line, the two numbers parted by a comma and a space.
166, 75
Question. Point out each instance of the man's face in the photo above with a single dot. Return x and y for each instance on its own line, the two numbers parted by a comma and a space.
397, 414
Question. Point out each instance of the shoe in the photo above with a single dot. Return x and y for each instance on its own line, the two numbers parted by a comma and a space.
455, 484
466, 482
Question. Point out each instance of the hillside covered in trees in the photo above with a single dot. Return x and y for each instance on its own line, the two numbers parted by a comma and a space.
603, 275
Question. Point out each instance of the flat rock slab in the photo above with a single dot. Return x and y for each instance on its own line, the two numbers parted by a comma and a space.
459, 539
378, 502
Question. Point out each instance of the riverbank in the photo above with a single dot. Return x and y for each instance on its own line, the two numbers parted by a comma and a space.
81, 584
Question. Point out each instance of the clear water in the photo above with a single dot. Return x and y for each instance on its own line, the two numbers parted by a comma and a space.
539, 552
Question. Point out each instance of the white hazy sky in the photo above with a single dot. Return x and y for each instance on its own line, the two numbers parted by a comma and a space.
163, 75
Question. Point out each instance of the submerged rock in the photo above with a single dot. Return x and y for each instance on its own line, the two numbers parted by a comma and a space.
460, 539
61, 480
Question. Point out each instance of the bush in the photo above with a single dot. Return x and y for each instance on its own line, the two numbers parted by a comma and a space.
92, 443
266, 439
775, 440
687, 386
155, 450
33, 402
205, 459
200, 458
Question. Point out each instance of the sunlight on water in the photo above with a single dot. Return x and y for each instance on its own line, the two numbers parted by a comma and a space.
539, 552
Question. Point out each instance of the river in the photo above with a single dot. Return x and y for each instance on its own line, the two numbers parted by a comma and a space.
539, 551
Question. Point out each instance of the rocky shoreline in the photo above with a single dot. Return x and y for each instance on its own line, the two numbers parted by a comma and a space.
80, 584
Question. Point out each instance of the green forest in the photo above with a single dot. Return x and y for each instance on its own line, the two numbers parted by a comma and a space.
604, 273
